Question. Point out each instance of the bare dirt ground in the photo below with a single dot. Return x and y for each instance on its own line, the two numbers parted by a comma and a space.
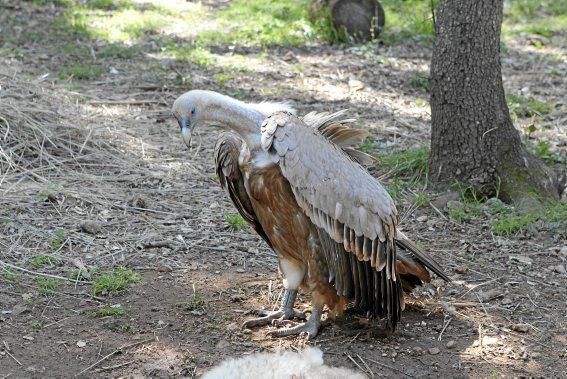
95, 176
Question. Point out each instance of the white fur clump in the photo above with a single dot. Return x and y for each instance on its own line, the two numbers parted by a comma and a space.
307, 364
267, 108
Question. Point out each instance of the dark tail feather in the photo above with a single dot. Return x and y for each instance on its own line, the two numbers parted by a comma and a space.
422, 257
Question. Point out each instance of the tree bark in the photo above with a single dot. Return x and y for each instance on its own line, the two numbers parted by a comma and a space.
473, 139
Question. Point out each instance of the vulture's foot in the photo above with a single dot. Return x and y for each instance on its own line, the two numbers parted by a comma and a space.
311, 327
286, 312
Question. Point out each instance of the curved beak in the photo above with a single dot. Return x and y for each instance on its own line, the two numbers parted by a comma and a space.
186, 131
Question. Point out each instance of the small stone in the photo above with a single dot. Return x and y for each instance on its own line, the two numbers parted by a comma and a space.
233, 327
489, 340
114, 71
461, 270
91, 227
506, 301
521, 328
81, 344
161, 323
154, 370
355, 85
560, 269
521, 259
29, 338
422, 218
240, 270
434, 351
423, 323
163, 268
442, 201
222, 344
454, 204
418, 350
451, 344
289, 57
20, 309
536, 355
489, 295
237, 298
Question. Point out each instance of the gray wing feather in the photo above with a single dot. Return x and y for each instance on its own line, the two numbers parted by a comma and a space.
337, 193
335, 128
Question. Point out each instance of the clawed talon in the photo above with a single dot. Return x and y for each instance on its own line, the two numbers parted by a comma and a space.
277, 316
257, 312
285, 312
280, 322
310, 328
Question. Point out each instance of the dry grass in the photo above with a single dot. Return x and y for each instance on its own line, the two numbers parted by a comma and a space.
64, 163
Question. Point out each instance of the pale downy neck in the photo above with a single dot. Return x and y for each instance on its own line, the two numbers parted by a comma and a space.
235, 114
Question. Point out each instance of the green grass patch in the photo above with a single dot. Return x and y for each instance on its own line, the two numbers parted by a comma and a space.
81, 72
408, 20
11, 276
235, 221
58, 239
407, 168
523, 106
196, 54
421, 199
368, 146
509, 224
195, 302
61, 3
118, 50
419, 80
40, 260
543, 17
263, 23
109, 311
46, 286
80, 275
73, 23
115, 281
109, 5
542, 150
411, 165
505, 219
223, 77
36, 325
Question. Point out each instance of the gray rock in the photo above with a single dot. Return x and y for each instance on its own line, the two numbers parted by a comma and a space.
434, 350
91, 227
20, 309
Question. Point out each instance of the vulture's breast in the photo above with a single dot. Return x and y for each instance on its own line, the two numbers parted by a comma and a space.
290, 231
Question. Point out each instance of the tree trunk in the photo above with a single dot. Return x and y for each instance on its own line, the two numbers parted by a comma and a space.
473, 140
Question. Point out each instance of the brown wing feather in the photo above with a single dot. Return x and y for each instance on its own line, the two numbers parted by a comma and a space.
227, 151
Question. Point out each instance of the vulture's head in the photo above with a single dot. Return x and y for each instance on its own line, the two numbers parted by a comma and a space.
188, 110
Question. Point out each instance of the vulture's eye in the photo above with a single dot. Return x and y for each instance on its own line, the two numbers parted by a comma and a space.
193, 111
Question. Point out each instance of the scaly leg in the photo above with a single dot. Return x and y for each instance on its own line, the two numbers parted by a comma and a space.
311, 326
285, 312
293, 276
